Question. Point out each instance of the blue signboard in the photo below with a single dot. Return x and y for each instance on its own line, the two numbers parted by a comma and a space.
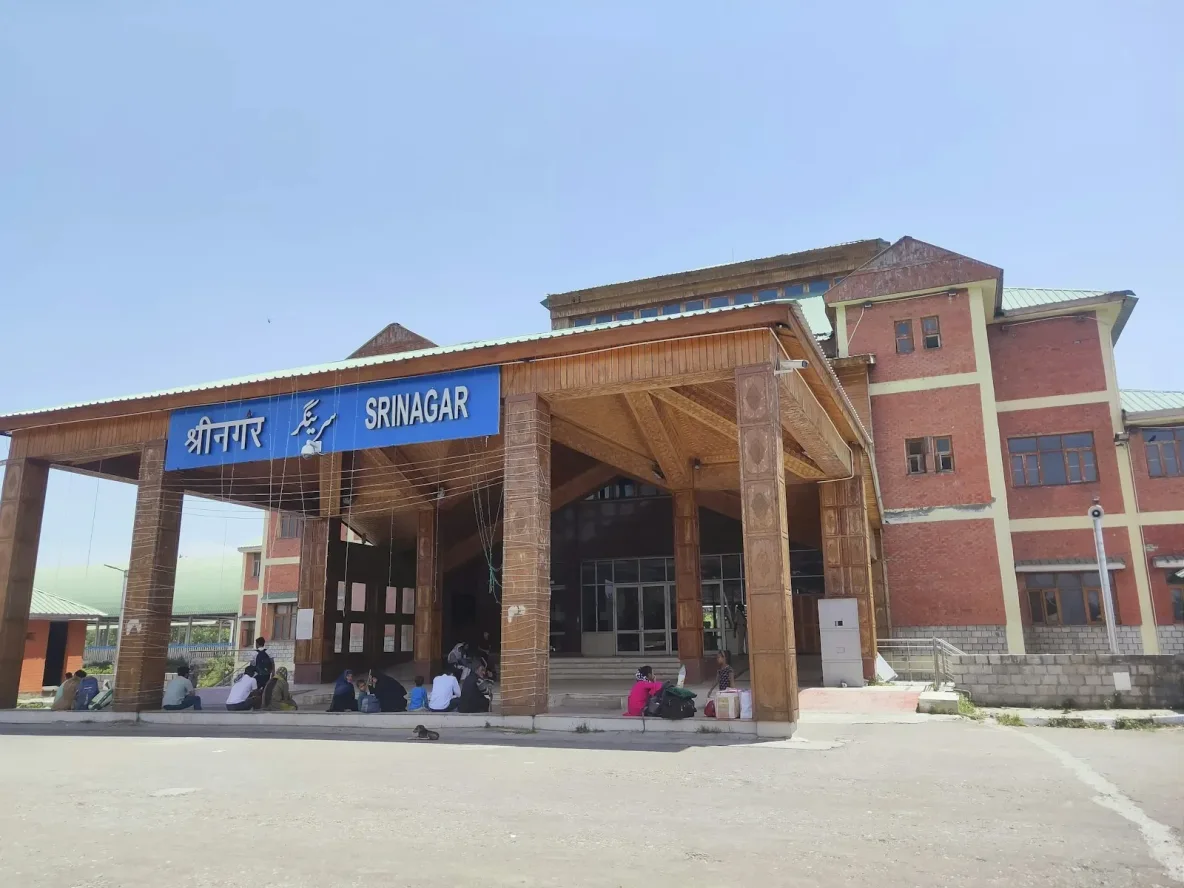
441, 407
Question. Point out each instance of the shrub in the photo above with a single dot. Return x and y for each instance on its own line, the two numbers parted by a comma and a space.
1010, 719
100, 667
216, 672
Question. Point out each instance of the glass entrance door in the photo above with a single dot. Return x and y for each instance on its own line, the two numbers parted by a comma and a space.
643, 618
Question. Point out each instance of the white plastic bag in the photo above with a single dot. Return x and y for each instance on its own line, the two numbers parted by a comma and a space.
746, 704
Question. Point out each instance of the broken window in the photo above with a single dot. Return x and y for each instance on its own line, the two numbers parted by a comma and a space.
917, 453
904, 337
943, 454
931, 332
1065, 599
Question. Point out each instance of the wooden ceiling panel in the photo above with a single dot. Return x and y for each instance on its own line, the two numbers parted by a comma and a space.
608, 416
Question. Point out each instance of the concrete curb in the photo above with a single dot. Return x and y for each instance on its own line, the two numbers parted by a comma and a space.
406, 720
1106, 721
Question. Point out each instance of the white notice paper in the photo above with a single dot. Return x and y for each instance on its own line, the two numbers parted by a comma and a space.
392, 600
341, 595
408, 601
388, 639
358, 597
337, 639
408, 639
355, 637
304, 624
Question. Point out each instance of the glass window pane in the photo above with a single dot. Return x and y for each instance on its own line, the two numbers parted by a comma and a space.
1094, 605
1178, 605
603, 319
1074, 459
648, 313
731, 566
588, 609
604, 572
943, 445
1052, 468
655, 642
653, 570
916, 446
816, 287
742, 299
604, 609
1034, 599
1089, 469
588, 573
1050, 605
1072, 608
1069, 580
1017, 471
625, 571
671, 309
628, 614
1021, 445
718, 301
629, 643
1039, 581
653, 607
1049, 442
670, 569
581, 322
1091, 578
709, 567
766, 295
624, 315
694, 305
733, 594
1032, 468
710, 593
1084, 439
1171, 465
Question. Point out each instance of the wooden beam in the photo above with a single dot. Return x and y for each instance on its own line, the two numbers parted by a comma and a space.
399, 476
626, 461
803, 417
662, 440
723, 501
697, 377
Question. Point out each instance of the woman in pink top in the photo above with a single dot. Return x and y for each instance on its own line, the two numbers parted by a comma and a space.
644, 688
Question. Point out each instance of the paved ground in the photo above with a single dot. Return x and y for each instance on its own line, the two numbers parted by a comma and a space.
937, 803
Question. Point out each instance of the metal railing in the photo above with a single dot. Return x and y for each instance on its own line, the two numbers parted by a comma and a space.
920, 659
191, 653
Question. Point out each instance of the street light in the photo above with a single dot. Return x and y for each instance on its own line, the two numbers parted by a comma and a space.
1096, 514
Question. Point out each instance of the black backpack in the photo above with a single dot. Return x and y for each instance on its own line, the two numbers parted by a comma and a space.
674, 702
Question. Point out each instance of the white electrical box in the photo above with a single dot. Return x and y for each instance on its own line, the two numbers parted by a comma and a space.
842, 660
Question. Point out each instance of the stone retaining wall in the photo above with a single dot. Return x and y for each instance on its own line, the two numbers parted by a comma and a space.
1083, 681
1171, 639
972, 639
1080, 640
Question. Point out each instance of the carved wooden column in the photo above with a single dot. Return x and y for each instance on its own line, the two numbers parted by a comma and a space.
687, 585
846, 552
772, 653
151, 576
22, 503
429, 608
526, 560
313, 594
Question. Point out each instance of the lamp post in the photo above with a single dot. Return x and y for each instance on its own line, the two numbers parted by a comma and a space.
1096, 513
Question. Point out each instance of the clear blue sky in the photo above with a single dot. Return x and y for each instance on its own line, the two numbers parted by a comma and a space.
198, 191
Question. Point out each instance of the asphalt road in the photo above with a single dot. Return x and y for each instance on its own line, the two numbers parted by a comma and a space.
933, 804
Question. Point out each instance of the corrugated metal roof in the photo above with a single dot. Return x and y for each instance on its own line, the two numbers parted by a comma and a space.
1032, 297
53, 606
813, 308
1143, 401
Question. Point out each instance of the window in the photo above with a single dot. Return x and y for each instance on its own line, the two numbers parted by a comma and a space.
766, 295
671, 309
581, 322
718, 301
604, 319
289, 527
246, 634
904, 337
648, 313
917, 450
1065, 599
943, 454
744, 298
931, 332
694, 305
256, 564
625, 315
1165, 451
1052, 459
283, 622
1178, 604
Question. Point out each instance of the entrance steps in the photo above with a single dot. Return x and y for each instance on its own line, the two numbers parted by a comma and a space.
614, 669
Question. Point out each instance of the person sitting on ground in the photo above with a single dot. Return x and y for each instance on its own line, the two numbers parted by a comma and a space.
445, 695
64, 699
277, 697
264, 665
724, 676
179, 694
419, 696
459, 655
345, 697
244, 694
58, 693
88, 688
367, 702
472, 693
643, 688
392, 696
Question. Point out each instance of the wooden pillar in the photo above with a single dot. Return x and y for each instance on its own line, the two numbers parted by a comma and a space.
151, 576
312, 593
526, 559
688, 586
846, 552
22, 502
772, 653
429, 607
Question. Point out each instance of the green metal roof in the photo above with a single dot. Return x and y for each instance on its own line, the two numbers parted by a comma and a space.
1033, 297
813, 308
1143, 401
204, 585
47, 606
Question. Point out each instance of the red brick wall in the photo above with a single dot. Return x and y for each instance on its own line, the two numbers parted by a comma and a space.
875, 334
956, 412
281, 578
1155, 494
250, 581
1066, 499
250, 603
276, 547
931, 587
33, 667
1168, 540
1054, 545
1055, 356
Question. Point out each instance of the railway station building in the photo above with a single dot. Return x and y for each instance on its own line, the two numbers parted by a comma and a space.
681, 465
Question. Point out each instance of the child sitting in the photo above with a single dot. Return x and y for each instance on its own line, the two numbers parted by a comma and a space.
419, 695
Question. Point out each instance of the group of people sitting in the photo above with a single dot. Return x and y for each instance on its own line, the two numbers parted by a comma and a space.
646, 686
453, 690
77, 691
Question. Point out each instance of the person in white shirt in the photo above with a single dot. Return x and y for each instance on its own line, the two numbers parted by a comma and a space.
445, 695
178, 693
244, 693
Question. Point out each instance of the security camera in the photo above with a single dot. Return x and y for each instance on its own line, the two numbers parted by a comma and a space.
790, 365
1096, 512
